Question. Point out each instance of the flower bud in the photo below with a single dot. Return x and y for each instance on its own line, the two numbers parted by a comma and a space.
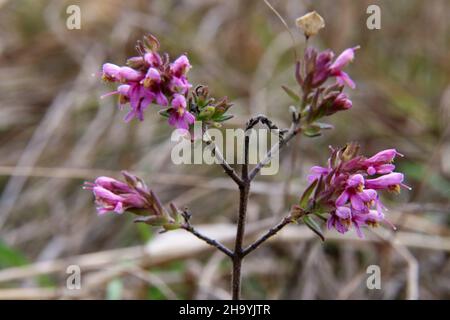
222, 106
129, 74
207, 112
180, 66
321, 70
151, 43
152, 77
136, 62
112, 195
110, 72
153, 59
333, 103
350, 151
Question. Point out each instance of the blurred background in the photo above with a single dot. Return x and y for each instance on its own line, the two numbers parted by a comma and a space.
55, 133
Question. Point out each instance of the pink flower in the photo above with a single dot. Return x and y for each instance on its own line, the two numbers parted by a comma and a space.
316, 172
340, 220
344, 58
123, 92
123, 89
140, 99
391, 181
180, 66
129, 74
380, 163
359, 198
179, 117
179, 85
384, 156
112, 195
150, 79
351, 198
336, 103
153, 59
341, 61
374, 217
342, 102
110, 72
322, 67
112, 184
132, 196
161, 99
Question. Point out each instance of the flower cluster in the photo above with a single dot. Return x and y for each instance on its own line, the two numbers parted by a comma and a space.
152, 78
319, 67
318, 99
348, 188
132, 196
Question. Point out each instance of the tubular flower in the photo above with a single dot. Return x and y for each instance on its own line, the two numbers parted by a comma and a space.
149, 78
343, 189
391, 181
341, 61
381, 163
132, 196
112, 195
335, 102
319, 67
179, 117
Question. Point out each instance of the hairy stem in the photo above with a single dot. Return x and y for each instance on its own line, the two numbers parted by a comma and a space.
240, 232
225, 165
273, 231
244, 182
293, 130
208, 240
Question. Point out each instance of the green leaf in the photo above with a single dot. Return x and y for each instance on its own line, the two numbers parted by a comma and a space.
320, 215
154, 293
144, 232
306, 194
223, 117
152, 220
164, 113
309, 221
10, 257
318, 188
291, 94
312, 131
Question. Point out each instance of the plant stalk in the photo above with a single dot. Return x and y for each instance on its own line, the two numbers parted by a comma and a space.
244, 190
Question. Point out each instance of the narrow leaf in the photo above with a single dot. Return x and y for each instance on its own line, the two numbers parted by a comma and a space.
291, 94
312, 131
164, 113
313, 226
152, 220
222, 118
320, 215
306, 194
319, 187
